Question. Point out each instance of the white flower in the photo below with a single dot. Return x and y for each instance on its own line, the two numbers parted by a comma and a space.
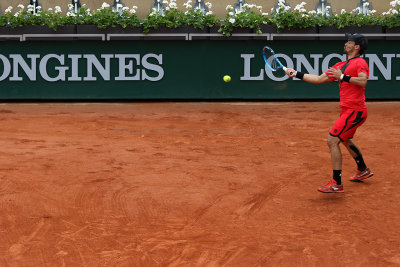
125, 8
105, 5
312, 12
173, 5
165, 2
209, 13
71, 14
208, 4
167, 8
50, 9
265, 14
232, 20
229, 7
366, 4
259, 7
21, 6
70, 6
119, 6
395, 12
252, 6
8, 10
343, 11
393, 3
187, 5
57, 9
17, 14
231, 13
132, 11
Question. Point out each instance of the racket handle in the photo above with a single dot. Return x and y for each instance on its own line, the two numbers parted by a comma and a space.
284, 68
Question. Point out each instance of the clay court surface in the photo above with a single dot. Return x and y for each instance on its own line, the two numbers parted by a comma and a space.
193, 184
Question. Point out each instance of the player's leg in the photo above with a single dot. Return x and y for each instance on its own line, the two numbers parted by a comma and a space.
335, 184
362, 171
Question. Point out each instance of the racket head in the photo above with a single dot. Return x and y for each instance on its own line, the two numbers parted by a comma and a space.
271, 60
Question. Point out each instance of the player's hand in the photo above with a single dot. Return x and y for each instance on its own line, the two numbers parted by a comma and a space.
291, 72
334, 73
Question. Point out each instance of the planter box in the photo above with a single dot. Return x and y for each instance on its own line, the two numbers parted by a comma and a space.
193, 30
265, 29
168, 33
393, 30
299, 34
4, 30
93, 29
351, 29
215, 29
50, 34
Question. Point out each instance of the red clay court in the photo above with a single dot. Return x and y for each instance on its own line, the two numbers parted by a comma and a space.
194, 184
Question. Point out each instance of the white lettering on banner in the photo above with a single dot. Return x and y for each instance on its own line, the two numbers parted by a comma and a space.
147, 67
74, 68
398, 77
61, 70
123, 67
375, 64
302, 61
104, 71
375, 61
18, 60
247, 71
6, 69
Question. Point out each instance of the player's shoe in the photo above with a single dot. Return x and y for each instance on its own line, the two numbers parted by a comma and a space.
331, 187
361, 175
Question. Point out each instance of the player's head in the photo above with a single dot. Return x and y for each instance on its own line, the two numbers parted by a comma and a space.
360, 42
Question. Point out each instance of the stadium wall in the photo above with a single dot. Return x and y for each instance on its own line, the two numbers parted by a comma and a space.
182, 70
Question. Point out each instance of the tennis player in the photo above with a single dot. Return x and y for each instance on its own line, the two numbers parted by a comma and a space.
352, 76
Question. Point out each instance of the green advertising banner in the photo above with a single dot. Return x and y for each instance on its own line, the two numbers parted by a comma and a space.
82, 70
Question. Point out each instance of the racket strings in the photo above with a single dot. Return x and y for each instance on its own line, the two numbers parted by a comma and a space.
270, 57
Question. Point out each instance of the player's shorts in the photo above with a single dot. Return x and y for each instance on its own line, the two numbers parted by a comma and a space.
345, 127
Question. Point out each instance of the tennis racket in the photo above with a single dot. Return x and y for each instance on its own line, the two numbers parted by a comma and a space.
272, 60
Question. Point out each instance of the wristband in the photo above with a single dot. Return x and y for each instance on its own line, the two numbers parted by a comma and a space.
341, 77
346, 78
299, 75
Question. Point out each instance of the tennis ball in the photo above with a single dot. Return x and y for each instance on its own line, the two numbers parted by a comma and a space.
227, 78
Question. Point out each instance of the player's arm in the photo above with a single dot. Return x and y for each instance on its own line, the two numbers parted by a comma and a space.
310, 78
360, 80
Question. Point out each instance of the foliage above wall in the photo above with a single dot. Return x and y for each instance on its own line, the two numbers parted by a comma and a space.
248, 17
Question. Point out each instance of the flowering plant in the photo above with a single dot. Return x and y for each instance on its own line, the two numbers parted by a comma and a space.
171, 18
199, 18
354, 17
298, 18
391, 18
103, 17
26, 16
109, 17
250, 16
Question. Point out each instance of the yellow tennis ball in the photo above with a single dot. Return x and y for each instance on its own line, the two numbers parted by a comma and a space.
227, 78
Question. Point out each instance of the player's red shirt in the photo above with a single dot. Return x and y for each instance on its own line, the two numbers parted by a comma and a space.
351, 95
